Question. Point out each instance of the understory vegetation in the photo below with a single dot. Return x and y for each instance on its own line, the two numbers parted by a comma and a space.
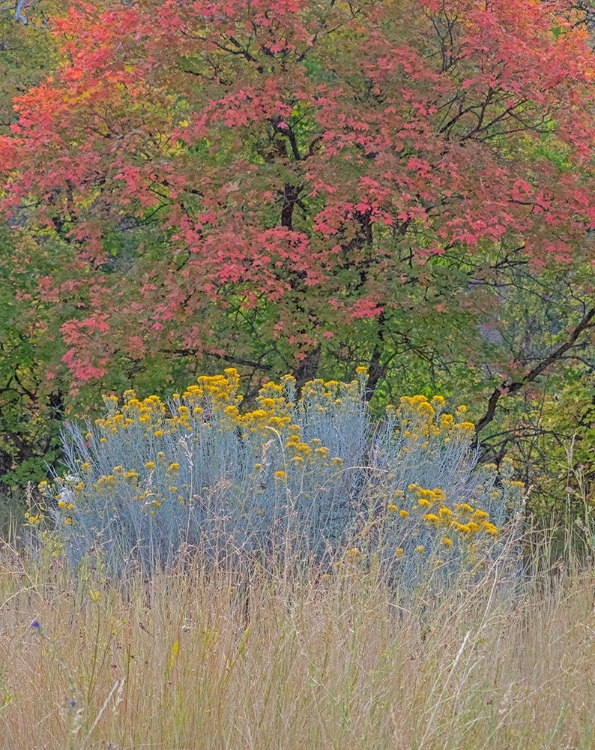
302, 477
193, 550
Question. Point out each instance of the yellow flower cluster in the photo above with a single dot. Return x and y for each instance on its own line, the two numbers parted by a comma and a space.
352, 554
216, 389
148, 413
216, 396
431, 507
323, 394
211, 393
34, 519
313, 452
273, 413
212, 400
421, 418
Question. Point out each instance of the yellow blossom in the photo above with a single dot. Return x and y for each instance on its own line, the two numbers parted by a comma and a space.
352, 554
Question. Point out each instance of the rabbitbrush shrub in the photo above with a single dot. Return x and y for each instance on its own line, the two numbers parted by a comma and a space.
308, 478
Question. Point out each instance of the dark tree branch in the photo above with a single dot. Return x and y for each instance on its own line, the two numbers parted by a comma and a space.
509, 387
189, 352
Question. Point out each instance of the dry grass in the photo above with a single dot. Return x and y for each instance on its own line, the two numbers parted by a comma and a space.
186, 661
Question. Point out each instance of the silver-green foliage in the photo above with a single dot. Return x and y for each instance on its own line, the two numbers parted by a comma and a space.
296, 478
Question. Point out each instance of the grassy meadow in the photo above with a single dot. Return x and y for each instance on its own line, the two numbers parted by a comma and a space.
197, 659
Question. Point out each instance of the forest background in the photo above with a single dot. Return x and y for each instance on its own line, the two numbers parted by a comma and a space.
306, 188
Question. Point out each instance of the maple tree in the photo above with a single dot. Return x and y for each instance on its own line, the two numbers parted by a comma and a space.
308, 186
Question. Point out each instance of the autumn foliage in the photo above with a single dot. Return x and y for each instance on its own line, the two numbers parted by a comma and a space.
267, 181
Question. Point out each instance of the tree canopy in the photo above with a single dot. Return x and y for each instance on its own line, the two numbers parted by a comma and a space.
307, 186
